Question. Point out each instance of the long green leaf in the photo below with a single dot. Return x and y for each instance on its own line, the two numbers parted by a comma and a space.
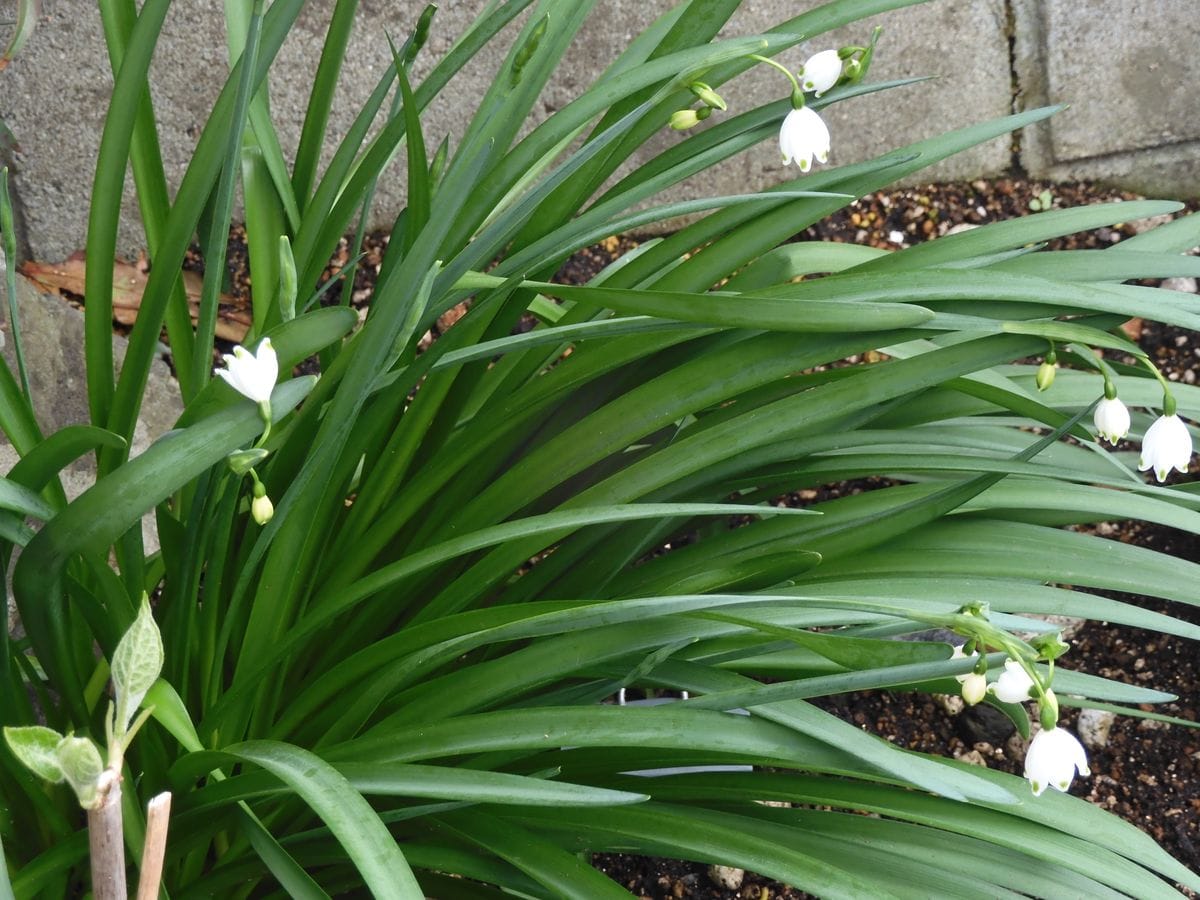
353, 822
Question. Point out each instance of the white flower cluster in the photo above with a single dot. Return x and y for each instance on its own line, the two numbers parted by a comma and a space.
803, 134
1167, 444
253, 375
1054, 754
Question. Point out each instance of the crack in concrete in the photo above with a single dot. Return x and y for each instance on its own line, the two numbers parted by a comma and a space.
1016, 167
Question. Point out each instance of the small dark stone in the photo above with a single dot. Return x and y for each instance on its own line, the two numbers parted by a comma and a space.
984, 724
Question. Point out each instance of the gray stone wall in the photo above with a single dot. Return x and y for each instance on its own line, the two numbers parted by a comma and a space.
1128, 70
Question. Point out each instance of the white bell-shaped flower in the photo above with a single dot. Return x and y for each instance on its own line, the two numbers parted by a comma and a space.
803, 136
821, 72
1053, 758
1014, 683
1111, 419
252, 375
1167, 445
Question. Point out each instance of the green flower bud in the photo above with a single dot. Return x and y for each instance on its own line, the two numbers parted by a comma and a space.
1045, 375
242, 461
528, 49
707, 95
683, 119
287, 280
1049, 646
420, 34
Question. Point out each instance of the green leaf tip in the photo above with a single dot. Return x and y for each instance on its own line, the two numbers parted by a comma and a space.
136, 664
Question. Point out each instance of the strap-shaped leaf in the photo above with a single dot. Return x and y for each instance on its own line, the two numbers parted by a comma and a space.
349, 817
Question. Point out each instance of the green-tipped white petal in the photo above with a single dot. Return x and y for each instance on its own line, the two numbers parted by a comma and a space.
1014, 683
803, 136
1167, 445
821, 72
1054, 757
1111, 419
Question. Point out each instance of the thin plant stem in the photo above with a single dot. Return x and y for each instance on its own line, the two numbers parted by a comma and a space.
105, 839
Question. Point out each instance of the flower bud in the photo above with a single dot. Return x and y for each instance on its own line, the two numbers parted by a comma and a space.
261, 508
974, 684
420, 34
683, 119
707, 95
1045, 375
528, 49
287, 280
242, 461
974, 687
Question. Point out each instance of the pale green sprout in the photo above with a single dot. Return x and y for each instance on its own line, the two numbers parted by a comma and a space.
136, 665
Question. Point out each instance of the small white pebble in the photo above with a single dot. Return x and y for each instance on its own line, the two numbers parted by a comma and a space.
1094, 726
726, 876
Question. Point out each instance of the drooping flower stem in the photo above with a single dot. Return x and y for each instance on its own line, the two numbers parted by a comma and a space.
264, 409
797, 93
1168, 397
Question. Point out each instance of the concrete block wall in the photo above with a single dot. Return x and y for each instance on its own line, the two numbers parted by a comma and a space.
1127, 69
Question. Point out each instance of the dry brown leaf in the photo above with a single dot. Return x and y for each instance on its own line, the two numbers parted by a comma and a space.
129, 283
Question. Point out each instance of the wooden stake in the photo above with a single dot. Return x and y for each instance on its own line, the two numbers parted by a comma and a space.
158, 812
